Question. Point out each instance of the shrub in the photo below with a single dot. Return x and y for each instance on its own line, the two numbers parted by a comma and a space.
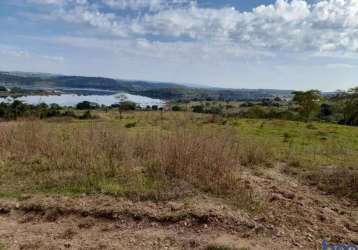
127, 106
198, 109
3, 89
87, 105
176, 108
338, 181
131, 125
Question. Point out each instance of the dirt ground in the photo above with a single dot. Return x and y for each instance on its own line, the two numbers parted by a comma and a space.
295, 217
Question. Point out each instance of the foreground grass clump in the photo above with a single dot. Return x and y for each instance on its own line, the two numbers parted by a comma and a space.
103, 158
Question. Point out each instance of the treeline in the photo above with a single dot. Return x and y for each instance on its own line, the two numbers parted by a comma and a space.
18, 109
341, 108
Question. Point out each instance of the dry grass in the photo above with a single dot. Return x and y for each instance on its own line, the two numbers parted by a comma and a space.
342, 182
143, 164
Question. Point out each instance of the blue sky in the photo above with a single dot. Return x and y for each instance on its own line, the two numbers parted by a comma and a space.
282, 44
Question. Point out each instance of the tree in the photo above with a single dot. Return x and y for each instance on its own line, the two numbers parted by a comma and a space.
176, 108
308, 102
348, 105
3, 89
87, 105
127, 106
198, 109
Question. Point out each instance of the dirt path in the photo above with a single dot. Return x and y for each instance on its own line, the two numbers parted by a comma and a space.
295, 217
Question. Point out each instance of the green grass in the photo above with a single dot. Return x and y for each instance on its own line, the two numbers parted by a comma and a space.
107, 156
321, 144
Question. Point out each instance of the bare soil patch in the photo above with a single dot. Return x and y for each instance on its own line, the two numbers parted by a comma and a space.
295, 216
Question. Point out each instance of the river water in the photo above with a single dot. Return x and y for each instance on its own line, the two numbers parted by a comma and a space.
71, 100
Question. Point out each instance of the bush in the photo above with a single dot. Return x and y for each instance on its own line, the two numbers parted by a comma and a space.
337, 181
176, 108
131, 125
3, 89
87, 105
198, 109
127, 106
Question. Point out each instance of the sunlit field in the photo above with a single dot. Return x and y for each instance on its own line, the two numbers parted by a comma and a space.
166, 155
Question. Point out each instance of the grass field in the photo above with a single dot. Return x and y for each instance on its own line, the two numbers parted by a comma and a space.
226, 183
166, 155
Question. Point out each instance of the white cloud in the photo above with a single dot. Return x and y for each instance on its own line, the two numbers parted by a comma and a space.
175, 51
341, 66
329, 25
56, 2
152, 5
13, 52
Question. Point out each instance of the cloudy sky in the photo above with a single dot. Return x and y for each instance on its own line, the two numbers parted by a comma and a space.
298, 44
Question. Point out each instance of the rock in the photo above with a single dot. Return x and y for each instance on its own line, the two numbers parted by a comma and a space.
309, 237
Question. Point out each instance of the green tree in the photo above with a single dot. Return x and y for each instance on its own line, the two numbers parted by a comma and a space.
348, 106
308, 102
87, 105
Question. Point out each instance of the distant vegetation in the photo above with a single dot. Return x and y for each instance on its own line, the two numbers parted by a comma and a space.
165, 91
341, 108
17, 110
308, 106
17, 92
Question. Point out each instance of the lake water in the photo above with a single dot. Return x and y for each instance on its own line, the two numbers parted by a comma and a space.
71, 100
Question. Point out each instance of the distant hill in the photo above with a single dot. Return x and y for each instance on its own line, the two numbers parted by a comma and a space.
167, 91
